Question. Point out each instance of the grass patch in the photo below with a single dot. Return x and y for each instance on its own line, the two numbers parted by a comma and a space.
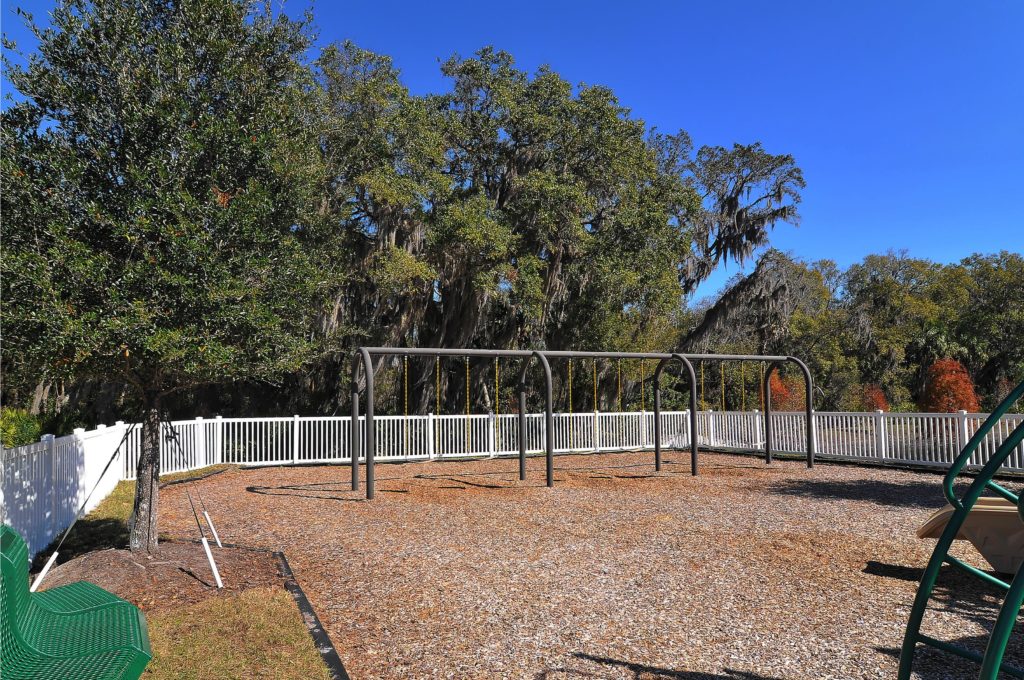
258, 633
255, 634
107, 525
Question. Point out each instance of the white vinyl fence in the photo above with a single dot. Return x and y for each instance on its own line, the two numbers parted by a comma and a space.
43, 484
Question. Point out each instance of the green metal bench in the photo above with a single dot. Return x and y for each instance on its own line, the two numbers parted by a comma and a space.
74, 631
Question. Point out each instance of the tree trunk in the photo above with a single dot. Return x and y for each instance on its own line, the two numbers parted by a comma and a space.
142, 526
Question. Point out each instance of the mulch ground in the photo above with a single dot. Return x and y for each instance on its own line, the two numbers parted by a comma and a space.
177, 575
458, 570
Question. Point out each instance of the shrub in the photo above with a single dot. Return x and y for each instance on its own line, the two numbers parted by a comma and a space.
18, 427
948, 388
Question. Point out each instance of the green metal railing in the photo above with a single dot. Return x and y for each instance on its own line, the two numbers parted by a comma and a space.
991, 661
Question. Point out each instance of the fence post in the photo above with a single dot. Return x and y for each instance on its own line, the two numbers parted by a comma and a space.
51, 451
490, 434
962, 435
814, 430
295, 439
757, 430
431, 437
79, 435
200, 439
879, 420
711, 427
218, 451
597, 431
121, 451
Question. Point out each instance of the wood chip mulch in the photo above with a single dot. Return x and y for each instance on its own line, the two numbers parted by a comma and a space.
177, 575
754, 572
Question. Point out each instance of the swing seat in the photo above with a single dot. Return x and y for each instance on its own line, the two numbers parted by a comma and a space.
993, 526
75, 631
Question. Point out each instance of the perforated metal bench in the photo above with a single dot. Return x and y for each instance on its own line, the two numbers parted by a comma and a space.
74, 631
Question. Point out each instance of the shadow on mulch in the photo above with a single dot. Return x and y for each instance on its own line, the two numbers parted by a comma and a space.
951, 580
306, 491
896, 571
642, 670
462, 481
958, 594
934, 663
924, 495
319, 491
87, 536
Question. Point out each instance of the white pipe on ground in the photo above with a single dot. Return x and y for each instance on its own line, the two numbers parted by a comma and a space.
213, 565
213, 529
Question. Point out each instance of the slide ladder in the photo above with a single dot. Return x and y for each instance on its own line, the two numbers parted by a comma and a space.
991, 661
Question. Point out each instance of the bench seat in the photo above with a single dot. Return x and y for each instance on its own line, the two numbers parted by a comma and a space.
75, 631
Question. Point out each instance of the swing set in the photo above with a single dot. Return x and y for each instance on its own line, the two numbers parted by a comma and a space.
364, 446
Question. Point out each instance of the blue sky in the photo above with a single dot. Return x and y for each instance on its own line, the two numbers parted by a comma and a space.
906, 117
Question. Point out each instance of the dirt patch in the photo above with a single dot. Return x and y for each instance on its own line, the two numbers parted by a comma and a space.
177, 575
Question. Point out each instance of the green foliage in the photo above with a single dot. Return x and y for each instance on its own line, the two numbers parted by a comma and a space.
545, 213
870, 333
157, 185
195, 203
18, 427
162, 178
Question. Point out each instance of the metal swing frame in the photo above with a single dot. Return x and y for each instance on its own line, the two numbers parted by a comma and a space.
365, 446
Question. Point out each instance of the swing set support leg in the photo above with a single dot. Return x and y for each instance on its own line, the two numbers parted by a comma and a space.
362, 359
693, 411
549, 419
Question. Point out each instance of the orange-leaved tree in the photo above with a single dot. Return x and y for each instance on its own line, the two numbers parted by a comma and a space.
948, 388
787, 393
872, 398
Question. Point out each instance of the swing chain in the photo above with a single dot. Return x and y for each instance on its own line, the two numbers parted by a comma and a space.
405, 389
761, 391
743, 388
721, 370
618, 367
570, 406
703, 402
643, 405
497, 404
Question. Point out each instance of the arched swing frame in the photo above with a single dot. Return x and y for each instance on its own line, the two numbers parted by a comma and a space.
366, 446
363, 361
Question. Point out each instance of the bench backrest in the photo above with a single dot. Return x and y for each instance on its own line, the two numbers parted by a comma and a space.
14, 565
14, 595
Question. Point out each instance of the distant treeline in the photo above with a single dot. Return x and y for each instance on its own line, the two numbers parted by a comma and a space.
891, 332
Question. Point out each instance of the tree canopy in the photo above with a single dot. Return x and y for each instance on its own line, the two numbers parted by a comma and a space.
158, 202
202, 201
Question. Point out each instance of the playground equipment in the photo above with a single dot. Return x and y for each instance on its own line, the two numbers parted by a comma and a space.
993, 527
363, 361
992, 660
